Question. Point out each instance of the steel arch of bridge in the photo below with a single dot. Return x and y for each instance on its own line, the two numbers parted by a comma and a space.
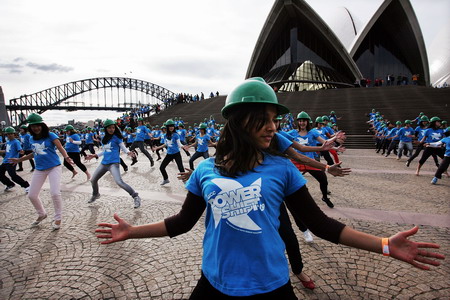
52, 98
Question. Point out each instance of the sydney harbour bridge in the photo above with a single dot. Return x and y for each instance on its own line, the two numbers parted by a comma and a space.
103, 93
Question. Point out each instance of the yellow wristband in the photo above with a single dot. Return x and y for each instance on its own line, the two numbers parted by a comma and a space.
385, 246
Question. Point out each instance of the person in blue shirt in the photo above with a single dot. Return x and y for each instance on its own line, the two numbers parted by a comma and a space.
242, 189
141, 133
26, 146
419, 131
89, 140
13, 150
393, 138
48, 165
112, 144
173, 144
72, 147
202, 141
433, 134
443, 166
182, 133
405, 135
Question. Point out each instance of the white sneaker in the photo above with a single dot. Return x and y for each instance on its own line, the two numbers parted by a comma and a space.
27, 189
137, 202
308, 236
165, 181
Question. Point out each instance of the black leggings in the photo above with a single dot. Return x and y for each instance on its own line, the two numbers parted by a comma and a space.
86, 147
26, 152
429, 151
204, 290
167, 160
419, 148
289, 238
140, 145
75, 156
11, 169
197, 155
321, 177
327, 157
442, 167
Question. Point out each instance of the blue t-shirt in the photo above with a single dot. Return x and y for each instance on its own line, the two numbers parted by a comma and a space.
71, 147
446, 142
111, 151
310, 139
284, 141
44, 151
25, 140
405, 134
393, 133
202, 143
12, 150
433, 135
156, 133
130, 138
142, 133
182, 134
420, 132
172, 144
243, 253
89, 138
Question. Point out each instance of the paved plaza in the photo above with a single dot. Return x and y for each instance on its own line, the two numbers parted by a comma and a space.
381, 196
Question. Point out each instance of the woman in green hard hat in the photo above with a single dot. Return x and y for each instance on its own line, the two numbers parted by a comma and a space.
48, 165
112, 145
432, 135
72, 146
242, 189
13, 150
202, 141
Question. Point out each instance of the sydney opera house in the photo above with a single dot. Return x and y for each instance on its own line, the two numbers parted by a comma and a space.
298, 50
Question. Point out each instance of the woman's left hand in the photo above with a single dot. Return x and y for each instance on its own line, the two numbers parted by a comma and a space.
411, 252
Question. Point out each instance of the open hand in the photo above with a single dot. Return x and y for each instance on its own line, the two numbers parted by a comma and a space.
336, 170
118, 232
184, 176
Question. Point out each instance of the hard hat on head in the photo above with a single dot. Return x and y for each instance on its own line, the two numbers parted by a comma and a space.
169, 122
252, 90
10, 130
140, 119
407, 121
325, 118
332, 112
34, 119
163, 127
444, 122
303, 115
24, 127
69, 127
421, 114
424, 119
398, 123
319, 120
279, 118
448, 129
108, 122
203, 126
434, 119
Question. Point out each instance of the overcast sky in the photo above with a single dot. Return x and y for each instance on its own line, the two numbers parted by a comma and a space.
185, 46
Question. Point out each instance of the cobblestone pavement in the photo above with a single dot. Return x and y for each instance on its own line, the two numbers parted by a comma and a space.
381, 196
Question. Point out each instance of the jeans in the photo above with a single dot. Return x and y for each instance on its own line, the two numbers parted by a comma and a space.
75, 156
408, 146
115, 172
140, 145
195, 156
37, 181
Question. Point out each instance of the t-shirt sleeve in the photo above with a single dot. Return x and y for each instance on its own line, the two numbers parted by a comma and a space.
283, 142
193, 185
294, 180
53, 136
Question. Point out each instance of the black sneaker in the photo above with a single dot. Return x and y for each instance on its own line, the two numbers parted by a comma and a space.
328, 202
152, 163
133, 162
125, 169
19, 170
408, 163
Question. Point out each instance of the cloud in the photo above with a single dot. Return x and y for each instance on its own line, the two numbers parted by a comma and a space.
13, 68
50, 67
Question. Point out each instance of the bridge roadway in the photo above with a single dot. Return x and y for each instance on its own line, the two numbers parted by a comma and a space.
381, 196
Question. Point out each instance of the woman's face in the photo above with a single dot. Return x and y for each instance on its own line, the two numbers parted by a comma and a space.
302, 123
171, 128
36, 128
110, 129
264, 136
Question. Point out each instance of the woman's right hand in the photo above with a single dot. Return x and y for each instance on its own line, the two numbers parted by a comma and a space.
89, 157
118, 232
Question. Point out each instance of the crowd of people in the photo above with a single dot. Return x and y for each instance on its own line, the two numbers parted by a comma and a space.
430, 135
255, 175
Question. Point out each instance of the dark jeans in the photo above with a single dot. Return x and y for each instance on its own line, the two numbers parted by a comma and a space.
442, 167
167, 160
204, 290
327, 157
140, 145
392, 146
75, 156
11, 169
26, 152
195, 156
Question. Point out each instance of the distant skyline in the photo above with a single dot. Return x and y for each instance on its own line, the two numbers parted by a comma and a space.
185, 46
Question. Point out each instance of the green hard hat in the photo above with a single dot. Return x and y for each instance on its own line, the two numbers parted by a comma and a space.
332, 112
140, 119
448, 129
169, 122
69, 127
319, 120
398, 123
424, 119
108, 122
279, 118
163, 127
203, 126
24, 127
9, 130
407, 121
252, 90
34, 119
433, 119
303, 115
325, 118
444, 122
421, 114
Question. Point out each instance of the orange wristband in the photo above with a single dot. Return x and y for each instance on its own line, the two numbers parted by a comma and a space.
326, 168
385, 246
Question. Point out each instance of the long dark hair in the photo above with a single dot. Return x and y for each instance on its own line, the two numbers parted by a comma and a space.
108, 136
170, 133
236, 145
45, 132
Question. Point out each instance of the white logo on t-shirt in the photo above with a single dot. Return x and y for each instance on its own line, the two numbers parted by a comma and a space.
234, 202
39, 148
107, 147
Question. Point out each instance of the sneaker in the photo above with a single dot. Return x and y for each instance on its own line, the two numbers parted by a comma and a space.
27, 189
9, 187
165, 181
137, 202
308, 236
19, 170
125, 169
38, 221
434, 180
152, 163
55, 226
408, 163
328, 202
134, 161
93, 198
